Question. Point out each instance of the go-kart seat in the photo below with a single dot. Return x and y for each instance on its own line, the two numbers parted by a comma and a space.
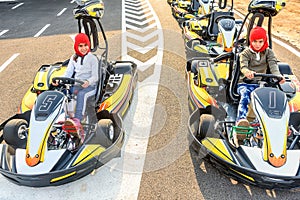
195, 5
213, 29
102, 75
93, 100
234, 96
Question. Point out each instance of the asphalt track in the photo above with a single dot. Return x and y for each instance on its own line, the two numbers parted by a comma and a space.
171, 170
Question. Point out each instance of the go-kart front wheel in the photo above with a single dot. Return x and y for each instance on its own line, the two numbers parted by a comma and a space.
105, 132
206, 127
15, 133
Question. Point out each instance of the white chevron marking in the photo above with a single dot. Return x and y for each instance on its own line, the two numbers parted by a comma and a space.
145, 49
138, 17
142, 38
135, 4
143, 65
140, 23
140, 12
136, 9
141, 30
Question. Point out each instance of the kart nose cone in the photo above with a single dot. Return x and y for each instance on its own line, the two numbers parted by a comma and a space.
32, 161
277, 161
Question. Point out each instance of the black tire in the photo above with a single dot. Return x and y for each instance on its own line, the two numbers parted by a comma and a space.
15, 133
105, 132
206, 126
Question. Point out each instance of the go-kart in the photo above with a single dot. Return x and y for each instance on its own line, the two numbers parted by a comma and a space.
206, 26
212, 34
43, 145
196, 8
180, 7
267, 153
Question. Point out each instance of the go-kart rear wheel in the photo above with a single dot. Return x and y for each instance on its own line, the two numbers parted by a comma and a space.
15, 133
105, 132
206, 126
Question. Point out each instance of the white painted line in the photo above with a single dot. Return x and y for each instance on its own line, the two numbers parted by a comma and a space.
2, 67
291, 49
3, 32
16, 6
61, 12
7, 0
72, 37
42, 30
72, 1
135, 149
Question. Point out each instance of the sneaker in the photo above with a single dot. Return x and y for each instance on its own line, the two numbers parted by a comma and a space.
242, 123
74, 127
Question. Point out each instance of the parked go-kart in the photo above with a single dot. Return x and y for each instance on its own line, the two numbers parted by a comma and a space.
194, 8
266, 154
180, 8
44, 145
211, 34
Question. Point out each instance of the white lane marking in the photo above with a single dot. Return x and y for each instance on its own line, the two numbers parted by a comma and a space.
16, 6
72, 37
291, 49
2, 67
42, 30
61, 12
3, 32
140, 116
7, 0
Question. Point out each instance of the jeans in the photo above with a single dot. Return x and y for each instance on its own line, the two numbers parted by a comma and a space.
244, 90
82, 96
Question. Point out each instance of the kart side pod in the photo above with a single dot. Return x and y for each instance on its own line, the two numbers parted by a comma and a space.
271, 108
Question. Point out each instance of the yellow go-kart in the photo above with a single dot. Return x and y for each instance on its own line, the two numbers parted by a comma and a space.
265, 154
43, 145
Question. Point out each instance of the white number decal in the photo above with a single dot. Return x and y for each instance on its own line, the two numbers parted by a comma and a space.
47, 102
272, 99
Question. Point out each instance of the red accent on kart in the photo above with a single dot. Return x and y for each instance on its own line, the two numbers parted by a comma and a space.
74, 127
103, 106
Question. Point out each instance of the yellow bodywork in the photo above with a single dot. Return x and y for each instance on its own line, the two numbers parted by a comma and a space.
41, 83
62, 177
115, 100
211, 74
89, 152
218, 148
201, 94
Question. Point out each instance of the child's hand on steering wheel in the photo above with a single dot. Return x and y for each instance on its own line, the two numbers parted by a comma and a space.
249, 74
282, 80
85, 84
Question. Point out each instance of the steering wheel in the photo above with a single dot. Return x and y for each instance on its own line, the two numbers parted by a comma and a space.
271, 79
66, 80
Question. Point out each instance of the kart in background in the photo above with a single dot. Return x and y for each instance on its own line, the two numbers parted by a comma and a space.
212, 34
196, 8
43, 145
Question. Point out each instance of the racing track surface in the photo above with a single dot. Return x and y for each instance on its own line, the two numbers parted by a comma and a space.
171, 170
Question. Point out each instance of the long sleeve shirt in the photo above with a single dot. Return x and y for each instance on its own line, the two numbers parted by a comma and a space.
258, 62
86, 69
